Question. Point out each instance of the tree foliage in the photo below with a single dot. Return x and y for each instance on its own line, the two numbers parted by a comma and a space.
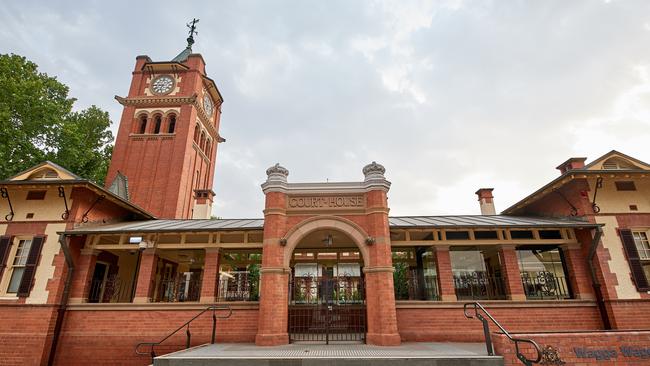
37, 123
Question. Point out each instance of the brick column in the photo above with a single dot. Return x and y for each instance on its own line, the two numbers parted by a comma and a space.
83, 276
445, 274
210, 279
380, 293
273, 316
512, 276
577, 272
146, 276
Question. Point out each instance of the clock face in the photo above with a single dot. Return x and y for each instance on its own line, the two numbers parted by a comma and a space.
162, 84
207, 103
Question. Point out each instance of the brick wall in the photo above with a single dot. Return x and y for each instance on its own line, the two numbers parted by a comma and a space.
584, 348
108, 337
629, 314
446, 322
26, 334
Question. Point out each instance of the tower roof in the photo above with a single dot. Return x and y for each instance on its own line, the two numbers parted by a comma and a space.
181, 57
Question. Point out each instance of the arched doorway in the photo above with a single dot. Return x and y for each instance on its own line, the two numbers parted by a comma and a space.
327, 297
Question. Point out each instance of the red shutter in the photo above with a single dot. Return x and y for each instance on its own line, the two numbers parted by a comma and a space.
30, 267
5, 244
638, 275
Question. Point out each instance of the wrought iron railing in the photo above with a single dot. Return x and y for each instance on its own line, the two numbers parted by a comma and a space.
178, 290
416, 286
544, 285
238, 286
314, 289
112, 289
481, 314
188, 334
479, 286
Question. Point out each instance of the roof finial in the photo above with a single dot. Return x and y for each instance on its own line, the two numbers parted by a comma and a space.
192, 27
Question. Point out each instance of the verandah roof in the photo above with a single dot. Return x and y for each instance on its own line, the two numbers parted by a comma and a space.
411, 222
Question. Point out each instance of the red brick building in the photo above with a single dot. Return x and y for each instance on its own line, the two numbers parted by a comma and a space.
87, 273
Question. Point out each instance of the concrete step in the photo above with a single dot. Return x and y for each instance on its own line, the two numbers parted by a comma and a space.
408, 354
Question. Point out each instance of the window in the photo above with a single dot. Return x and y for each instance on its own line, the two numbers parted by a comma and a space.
36, 195
542, 272
172, 124
477, 272
415, 275
457, 235
157, 124
643, 248
196, 134
143, 124
18, 266
625, 186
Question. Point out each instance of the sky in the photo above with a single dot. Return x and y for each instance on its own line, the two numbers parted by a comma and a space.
450, 96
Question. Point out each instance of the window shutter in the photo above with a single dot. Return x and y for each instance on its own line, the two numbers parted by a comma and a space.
636, 269
30, 267
5, 244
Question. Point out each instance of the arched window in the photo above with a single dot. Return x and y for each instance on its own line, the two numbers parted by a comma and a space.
198, 178
143, 125
196, 134
202, 143
172, 123
208, 147
157, 123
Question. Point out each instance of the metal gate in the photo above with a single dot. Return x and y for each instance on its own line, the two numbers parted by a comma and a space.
327, 310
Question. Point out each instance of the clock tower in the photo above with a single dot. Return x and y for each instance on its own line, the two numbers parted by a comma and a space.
167, 140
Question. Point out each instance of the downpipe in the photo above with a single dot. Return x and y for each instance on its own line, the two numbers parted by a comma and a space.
64, 298
594, 279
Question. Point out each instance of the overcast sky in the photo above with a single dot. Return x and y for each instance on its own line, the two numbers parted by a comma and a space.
449, 96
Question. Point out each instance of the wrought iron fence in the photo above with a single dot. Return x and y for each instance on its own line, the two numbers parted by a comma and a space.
416, 286
479, 286
544, 285
239, 286
112, 289
340, 290
179, 290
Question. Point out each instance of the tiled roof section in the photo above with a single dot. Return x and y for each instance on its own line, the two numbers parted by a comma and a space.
468, 221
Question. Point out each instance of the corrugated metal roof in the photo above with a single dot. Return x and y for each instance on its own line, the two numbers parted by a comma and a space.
483, 221
467, 221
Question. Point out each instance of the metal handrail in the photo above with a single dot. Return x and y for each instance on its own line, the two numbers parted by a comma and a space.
214, 308
488, 340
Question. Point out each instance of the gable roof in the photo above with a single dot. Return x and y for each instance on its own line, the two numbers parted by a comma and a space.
63, 173
595, 167
598, 163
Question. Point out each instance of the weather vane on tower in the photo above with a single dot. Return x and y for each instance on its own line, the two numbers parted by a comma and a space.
192, 27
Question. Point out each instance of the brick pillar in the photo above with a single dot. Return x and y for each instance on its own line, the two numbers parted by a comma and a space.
274, 292
577, 272
380, 293
512, 276
83, 276
146, 276
445, 274
210, 279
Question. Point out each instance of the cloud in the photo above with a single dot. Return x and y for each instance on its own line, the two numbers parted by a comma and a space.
449, 95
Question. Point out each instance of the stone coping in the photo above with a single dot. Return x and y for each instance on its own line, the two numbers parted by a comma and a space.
415, 304
243, 305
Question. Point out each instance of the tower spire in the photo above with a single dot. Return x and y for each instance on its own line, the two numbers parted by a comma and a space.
190, 41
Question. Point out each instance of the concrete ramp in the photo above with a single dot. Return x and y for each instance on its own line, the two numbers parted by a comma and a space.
408, 354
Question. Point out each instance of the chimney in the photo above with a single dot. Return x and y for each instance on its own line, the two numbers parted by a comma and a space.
485, 199
572, 163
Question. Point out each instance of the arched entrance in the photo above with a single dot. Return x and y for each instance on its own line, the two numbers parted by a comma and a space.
327, 297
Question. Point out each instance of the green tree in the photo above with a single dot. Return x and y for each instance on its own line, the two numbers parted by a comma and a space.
37, 123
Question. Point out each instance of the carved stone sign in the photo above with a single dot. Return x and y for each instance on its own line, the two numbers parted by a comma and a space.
325, 202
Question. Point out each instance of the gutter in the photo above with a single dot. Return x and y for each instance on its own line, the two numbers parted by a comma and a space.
594, 279
64, 298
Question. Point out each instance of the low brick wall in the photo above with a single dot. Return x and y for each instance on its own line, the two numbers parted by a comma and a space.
26, 333
629, 314
445, 322
583, 348
105, 336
